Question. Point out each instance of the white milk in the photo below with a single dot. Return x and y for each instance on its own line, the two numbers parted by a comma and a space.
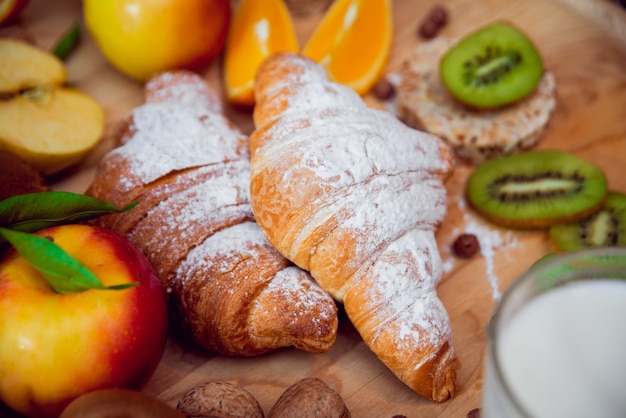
564, 354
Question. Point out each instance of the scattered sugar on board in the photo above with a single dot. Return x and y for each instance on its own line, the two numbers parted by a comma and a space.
490, 240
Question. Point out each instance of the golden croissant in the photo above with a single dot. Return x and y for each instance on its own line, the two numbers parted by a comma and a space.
188, 168
354, 196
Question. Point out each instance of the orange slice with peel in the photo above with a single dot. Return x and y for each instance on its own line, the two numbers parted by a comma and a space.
353, 42
258, 29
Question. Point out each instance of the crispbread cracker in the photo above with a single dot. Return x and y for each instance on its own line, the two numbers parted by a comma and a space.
423, 102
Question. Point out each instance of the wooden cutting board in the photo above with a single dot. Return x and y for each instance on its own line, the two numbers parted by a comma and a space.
583, 43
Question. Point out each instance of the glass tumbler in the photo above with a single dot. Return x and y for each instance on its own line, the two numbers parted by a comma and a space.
557, 340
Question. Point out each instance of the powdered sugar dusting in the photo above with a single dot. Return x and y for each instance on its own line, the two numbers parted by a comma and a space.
294, 285
170, 138
290, 294
350, 144
179, 127
181, 89
376, 172
374, 214
288, 281
319, 95
224, 244
403, 280
304, 72
175, 224
378, 184
188, 166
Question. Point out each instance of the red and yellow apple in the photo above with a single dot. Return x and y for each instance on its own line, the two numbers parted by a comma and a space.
10, 10
55, 347
142, 37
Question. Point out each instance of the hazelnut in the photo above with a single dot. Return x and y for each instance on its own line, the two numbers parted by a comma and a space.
466, 245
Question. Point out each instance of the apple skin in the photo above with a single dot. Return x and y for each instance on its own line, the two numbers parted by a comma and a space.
55, 347
144, 37
10, 10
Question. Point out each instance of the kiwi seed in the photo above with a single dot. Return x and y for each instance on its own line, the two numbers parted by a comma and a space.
493, 66
606, 228
536, 189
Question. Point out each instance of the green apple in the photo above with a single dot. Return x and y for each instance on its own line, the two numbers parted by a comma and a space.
55, 346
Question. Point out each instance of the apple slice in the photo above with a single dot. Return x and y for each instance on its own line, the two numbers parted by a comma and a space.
25, 66
52, 131
45, 123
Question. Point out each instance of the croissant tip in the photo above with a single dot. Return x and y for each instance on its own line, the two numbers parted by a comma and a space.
444, 382
446, 392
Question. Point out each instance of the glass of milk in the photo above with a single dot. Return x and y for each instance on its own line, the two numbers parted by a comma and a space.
557, 340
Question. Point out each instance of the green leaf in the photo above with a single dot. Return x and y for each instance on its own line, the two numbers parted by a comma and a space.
68, 42
34, 211
64, 273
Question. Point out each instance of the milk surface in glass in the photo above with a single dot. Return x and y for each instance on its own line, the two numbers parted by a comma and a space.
559, 353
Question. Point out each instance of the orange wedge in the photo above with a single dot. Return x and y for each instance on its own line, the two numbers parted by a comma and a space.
258, 29
353, 42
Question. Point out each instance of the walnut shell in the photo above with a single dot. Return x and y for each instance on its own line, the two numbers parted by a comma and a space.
309, 398
219, 400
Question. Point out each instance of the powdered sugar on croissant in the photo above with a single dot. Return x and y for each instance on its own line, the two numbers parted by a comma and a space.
188, 167
354, 196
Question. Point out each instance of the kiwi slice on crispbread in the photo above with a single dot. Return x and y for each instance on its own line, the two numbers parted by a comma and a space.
604, 228
536, 189
493, 66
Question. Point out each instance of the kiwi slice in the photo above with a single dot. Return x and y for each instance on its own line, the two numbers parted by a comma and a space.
493, 66
605, 228
536, 189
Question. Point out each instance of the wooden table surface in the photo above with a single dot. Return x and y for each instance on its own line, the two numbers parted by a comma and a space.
582, 41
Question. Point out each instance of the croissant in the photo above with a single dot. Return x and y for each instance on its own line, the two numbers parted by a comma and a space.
188, 168
354, 196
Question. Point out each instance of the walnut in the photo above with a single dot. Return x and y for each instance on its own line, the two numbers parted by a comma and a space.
309, 398
219, 400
